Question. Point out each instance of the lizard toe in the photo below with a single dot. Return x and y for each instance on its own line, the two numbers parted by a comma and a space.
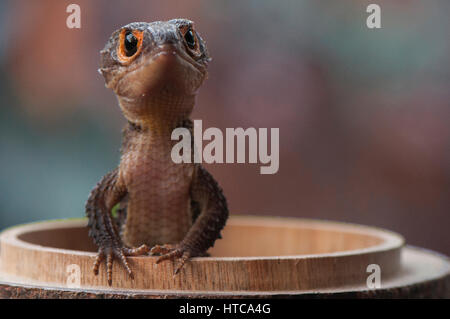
161, 249
170, 252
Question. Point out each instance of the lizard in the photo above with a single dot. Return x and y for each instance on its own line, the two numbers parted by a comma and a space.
173, 210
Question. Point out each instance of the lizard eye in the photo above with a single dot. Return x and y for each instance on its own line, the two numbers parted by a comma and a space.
130, 43
189, 37
191, 40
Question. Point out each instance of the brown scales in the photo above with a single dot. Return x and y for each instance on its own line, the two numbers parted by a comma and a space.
178, 209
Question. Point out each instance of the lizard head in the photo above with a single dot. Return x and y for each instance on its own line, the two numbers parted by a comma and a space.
155, 68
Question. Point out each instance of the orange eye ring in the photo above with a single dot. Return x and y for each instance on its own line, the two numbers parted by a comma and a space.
130, 45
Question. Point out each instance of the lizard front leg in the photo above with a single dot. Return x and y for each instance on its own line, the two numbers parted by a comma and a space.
207, 226
107, 193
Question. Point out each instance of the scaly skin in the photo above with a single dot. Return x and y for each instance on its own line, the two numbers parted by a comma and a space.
155, 69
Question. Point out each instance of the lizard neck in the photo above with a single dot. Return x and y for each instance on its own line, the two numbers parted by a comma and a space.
158, 114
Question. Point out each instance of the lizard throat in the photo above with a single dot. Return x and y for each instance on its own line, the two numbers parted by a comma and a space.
159, 113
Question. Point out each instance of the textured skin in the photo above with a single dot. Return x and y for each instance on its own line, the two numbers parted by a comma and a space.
178, 209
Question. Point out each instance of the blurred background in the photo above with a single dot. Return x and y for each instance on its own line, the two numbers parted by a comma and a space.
364, 115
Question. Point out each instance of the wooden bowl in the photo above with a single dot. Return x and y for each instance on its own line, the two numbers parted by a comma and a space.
258, 256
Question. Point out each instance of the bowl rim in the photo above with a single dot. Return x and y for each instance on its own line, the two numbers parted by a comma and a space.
390, 240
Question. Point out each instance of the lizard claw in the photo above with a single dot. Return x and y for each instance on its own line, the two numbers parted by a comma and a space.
120, 253
171, 252
162, 249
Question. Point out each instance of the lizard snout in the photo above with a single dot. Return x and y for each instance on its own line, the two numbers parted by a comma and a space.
165, 34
